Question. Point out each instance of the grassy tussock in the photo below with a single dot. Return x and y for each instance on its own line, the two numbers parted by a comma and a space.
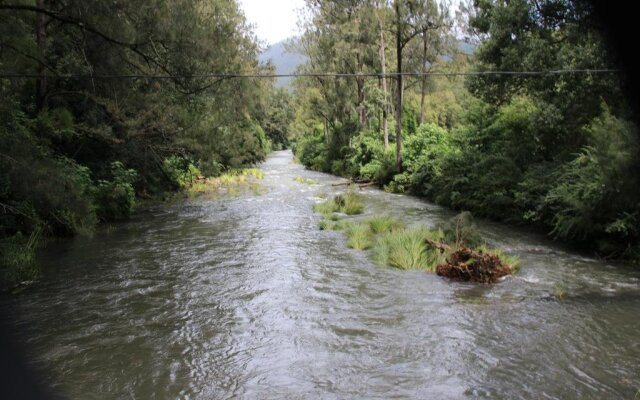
349, 203
359, 237
407, 249
384, 223
326, 207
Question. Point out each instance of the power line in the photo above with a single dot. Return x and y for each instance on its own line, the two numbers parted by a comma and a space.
319, 75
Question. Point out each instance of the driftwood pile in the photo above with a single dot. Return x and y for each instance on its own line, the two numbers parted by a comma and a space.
469, 265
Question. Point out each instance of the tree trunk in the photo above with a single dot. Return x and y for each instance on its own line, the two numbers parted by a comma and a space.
41, 39
399, 100
423, 89
326, 133
383, 63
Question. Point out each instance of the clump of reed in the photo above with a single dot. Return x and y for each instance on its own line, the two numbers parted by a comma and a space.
384, 223
359, 237
408, 249
349, 203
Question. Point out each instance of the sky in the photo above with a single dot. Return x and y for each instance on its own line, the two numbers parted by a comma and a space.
274, 20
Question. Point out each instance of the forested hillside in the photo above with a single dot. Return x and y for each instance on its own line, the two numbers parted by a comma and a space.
107, 102
283, 60
556, 150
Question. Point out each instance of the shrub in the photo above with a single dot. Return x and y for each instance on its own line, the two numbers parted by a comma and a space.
115, 199
181, 170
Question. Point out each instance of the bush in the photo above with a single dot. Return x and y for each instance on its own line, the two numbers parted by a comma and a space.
115, 199
595, 198
181, 170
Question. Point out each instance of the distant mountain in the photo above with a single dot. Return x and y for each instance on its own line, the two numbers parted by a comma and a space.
467, 47
285, 62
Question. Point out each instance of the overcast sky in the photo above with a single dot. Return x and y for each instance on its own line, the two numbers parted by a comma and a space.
274, 20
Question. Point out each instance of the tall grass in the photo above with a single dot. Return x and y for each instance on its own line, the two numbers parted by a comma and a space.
349, 203
326, 207
407, 249
359, 237
384, 223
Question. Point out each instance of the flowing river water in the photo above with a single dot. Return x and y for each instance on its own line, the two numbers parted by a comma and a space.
245, 297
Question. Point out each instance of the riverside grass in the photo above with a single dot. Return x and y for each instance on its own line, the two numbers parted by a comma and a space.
229, 183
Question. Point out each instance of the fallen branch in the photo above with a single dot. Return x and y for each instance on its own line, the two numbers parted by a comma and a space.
349, 183
438, 245
366, 184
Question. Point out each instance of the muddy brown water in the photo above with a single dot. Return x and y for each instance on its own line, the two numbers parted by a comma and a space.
245, 297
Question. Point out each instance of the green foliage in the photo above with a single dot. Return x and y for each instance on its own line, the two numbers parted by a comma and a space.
595, 195
424, 154
63, 142
116, 198
279, 114
312, 152
181, 170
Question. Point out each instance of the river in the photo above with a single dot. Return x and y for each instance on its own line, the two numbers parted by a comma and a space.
245, 297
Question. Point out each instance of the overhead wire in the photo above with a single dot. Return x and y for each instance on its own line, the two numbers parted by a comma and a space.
312, 74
